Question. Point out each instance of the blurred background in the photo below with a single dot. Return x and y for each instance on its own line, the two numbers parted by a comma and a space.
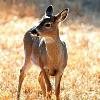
89, 9
80, 31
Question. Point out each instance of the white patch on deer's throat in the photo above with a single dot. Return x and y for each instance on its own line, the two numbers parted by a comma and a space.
49, 39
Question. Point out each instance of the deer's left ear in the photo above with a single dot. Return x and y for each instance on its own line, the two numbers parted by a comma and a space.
62, 15
49, 11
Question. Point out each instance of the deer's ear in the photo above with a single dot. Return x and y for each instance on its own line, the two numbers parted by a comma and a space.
49, 11
62, 15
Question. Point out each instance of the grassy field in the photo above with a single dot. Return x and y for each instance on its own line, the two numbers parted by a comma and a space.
81, 79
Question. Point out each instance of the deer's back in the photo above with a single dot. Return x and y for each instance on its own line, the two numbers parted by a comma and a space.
34, 47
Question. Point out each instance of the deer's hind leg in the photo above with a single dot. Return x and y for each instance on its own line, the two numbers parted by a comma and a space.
23, 72
25, 67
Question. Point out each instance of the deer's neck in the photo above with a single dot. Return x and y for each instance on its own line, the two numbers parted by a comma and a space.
53, 46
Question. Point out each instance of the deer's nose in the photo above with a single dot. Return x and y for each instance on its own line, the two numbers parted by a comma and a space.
37, 29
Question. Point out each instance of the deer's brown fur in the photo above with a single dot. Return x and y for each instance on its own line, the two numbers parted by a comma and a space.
50, 53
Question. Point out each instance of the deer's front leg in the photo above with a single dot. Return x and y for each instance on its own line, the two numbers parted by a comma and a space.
45, 84
42, 83
57, 85
48, 85
47, 81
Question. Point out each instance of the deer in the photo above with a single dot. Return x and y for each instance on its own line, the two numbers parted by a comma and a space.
43, 46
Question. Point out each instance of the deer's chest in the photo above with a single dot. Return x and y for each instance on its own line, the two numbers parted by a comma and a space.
54, 55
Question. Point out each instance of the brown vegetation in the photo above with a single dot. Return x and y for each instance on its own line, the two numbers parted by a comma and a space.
81, 79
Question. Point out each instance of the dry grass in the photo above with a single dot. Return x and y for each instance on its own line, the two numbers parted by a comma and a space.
81, 79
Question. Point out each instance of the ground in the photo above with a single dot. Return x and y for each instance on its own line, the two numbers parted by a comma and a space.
81, 78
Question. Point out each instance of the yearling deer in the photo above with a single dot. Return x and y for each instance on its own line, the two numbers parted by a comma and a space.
50, 53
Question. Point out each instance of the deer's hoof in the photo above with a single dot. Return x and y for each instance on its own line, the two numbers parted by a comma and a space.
48, 95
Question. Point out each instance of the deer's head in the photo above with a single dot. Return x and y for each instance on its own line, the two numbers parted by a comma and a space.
48, 25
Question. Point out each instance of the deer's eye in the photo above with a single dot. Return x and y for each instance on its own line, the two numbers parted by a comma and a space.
47, 25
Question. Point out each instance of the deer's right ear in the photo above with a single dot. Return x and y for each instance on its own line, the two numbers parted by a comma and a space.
62, 15
49, 11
